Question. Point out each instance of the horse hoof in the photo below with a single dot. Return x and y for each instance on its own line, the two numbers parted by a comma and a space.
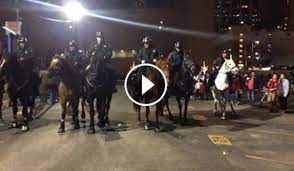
83, 122
157, 129
30, 118
77, 126
24, 128
14, 125
101, 124
91, 130
147, 127
61, 130
223, 118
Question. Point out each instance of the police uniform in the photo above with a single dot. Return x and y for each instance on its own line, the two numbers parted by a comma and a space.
176, 59
100, 57
147, 55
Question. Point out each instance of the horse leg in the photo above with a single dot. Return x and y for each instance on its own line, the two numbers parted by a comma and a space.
224, 101
215, 102
187, 99
1, 104
170, 116
83, 115
32, 106
91, 129
63, 115
180, 108
100, 110
159, 109
139, 114
147, 122
24, 102
107, 107
75, 110
14, 111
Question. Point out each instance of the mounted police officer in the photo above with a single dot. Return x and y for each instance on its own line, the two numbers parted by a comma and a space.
24, 54
147, 54
217, 64
23, 51
74, 55
100, 55
176, 59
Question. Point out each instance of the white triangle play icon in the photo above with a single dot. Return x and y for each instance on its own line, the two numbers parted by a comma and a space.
146, 85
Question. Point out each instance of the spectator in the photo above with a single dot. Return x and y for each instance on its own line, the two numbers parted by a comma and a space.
234, 89
273, 87
208, 84
283, 92
250, 82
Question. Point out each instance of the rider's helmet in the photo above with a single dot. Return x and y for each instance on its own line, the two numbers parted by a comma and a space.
22, 40
147, 40
72, 45
100, 34
179, 45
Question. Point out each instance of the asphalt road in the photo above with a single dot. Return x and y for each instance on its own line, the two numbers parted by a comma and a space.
257, 141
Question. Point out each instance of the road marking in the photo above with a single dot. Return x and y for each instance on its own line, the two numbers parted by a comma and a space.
270, 160
271, 132
219, 140
199, 117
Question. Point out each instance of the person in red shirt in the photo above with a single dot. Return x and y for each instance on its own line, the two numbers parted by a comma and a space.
250, 88
273, 88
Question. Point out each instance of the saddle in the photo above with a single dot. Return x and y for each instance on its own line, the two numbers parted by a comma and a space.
96, 75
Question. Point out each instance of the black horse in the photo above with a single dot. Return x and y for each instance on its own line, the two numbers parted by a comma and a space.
23, 85
182, 89
100, 84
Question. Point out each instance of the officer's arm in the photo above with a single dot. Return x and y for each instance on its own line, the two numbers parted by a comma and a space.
154, 56
139, 56
108, 54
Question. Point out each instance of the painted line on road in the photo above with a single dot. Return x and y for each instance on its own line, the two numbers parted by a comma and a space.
219, 140
270, 160
271, 132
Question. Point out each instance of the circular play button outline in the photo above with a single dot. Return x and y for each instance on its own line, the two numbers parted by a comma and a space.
126, 84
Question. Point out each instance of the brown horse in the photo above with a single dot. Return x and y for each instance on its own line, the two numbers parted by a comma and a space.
69, 88
154, 93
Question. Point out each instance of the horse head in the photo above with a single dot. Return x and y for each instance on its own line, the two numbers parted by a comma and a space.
56, 66
164, 65
229, 66
189, 67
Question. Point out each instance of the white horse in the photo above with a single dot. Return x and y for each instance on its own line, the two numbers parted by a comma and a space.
220, 90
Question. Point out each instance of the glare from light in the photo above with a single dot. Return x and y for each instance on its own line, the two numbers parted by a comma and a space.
257, 42
74, 11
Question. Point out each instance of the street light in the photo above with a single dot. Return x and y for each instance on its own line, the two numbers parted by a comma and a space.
74, 11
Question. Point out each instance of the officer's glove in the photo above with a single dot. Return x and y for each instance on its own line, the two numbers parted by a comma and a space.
155, 60
143, 62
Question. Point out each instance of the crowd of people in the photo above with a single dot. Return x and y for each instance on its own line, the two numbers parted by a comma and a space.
258, 88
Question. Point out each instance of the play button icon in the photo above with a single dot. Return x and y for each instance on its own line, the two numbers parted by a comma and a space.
146, 85
148, 89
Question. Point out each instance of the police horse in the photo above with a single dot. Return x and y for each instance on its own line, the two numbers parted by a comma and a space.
69, 88
99, 86
182, 89
220, 90
134, 87
22, 85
